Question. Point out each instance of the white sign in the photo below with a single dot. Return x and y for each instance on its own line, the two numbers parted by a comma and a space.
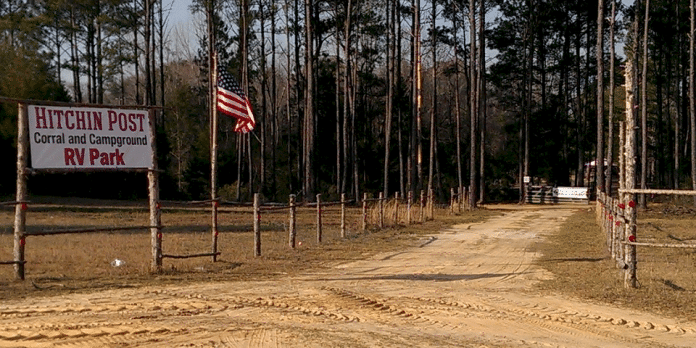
88, 138
527, 179
570, 192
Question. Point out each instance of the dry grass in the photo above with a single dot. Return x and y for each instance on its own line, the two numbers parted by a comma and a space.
580, 261
82, 262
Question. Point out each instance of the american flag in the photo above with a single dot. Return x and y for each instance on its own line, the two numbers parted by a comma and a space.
232, 102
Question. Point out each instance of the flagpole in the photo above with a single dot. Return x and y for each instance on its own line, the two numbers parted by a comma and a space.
213, 133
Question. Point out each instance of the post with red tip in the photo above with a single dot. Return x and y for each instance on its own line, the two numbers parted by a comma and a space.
629, 151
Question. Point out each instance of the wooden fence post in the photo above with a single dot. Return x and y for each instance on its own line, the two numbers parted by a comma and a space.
20, 221
381, 210
422, 206
291, 226
396, 208
343, 215
452, 200
409, 203
257, 226
620, 238
459, 199
431, 204
614, 228
364, 212
153, 194
319, 218
629, 150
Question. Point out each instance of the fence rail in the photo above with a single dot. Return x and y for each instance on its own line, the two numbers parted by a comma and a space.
189, 256
618, 219
88, 230
11, 262
380, 212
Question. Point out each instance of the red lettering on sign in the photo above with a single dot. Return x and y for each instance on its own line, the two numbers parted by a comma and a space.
123, 122
106, 158
59, 114
69, 156
93, 155
68, 124
113, 118
74, 154
97, 120
80, 119
40, 117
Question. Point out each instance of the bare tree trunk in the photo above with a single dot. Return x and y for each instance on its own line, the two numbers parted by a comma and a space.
692, 98
529, 75
298, 88
482, 99
389, 101
275, 107
417, 132
161, 54
245, 85
644, 110
347, 83
264, 91
152, 59
354, 138
433, 108
100, 67
473, 109
457, 106
397, 49
136, 55
74, 56
610, 137
580, 118
57, 41
148, 48
309, 103
339, 189
288, 109
600, 97
89, 46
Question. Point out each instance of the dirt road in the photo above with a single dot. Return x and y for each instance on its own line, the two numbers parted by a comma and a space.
471, 286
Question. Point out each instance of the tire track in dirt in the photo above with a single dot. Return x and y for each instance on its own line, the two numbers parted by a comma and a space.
469, 286
432, 311
545, 311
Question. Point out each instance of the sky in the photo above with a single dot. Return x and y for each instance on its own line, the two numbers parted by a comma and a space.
180, 11
181, 25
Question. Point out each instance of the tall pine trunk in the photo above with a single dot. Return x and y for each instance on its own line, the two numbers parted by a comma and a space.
308, 129
482, 99
337, 102
644, 110
473, 107
692, 97
457, 106
389, 100
433, 107
600, 97
264, 106
610, 136
347, 83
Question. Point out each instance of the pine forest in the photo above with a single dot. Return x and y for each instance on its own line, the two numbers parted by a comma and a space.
365, 96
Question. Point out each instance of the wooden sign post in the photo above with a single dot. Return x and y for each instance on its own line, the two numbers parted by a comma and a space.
20, 222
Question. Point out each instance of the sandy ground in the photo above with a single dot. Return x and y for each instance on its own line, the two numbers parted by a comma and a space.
469, 286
